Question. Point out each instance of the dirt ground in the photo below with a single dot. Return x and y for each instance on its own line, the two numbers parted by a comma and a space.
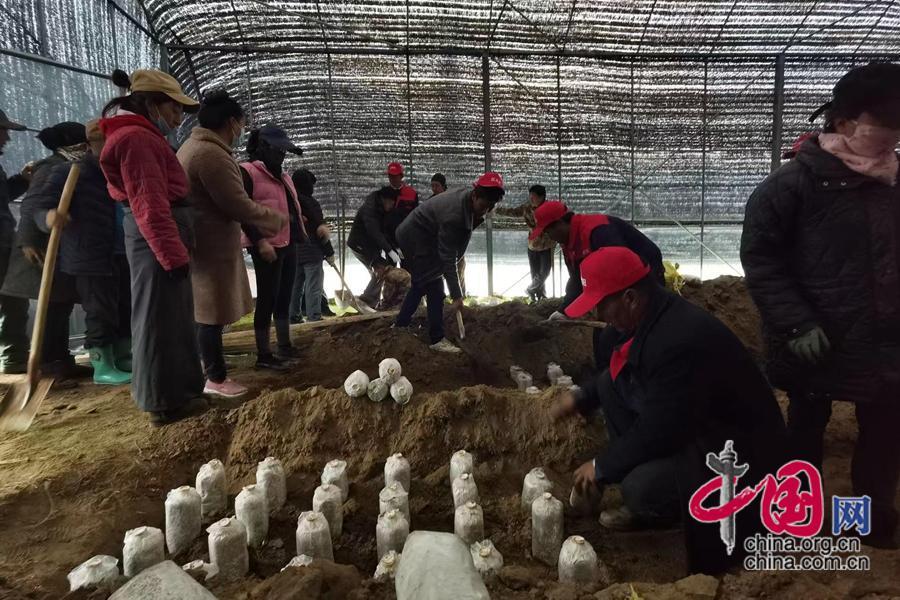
91, 467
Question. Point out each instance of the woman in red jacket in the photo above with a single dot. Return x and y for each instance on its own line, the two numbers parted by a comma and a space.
143, 172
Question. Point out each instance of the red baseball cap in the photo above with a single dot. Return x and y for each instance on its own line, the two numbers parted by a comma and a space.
605, 272
546, 214
395, 168
490, 179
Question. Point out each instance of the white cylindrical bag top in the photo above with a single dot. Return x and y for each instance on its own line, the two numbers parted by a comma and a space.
327, 500
228, 548
394, 497
271, 479
378, 390
389, 370
357, 384
212, 486
488, 560
534, 484
97, 571
314, 535
461, 462
251, 507
524, 381
396, 468
183, 518
547, 521
387, 567
144, 547
401, 390
465, 490
577, 561
391, 532
468, 523
554, 372
335, 473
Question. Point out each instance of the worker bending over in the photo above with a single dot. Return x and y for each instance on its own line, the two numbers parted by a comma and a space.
678, 387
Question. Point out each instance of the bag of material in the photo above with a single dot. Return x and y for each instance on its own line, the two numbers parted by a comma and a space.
252, 509
533, 390
335, 473
327, 500
488, 560
212, 486
578, 562
534, 484
401, 391
554, 372
564, 381
396, 468
378, 390
183, 519
468, 523
391, 532
547, 522
438, 566
144, 547
200, 570
299, 561
524, 381
356, 384
465, 490
461, 462
389, 370
387, 567
314, 535
95, 572
394, 497
271, 479
514, 371
228, 548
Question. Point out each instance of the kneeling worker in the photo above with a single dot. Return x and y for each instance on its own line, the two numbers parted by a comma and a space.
678, 387
433, 238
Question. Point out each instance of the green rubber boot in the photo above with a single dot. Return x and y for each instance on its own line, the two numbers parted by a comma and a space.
105, 371
123, 354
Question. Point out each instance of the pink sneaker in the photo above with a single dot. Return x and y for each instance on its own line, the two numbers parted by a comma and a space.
226, 389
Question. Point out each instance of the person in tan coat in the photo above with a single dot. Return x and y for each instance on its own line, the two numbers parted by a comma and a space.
220, 205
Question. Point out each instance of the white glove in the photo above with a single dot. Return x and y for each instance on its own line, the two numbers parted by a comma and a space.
395, 258
557, 316
400, 254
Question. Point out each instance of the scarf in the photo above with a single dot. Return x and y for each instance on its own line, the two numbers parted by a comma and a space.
619, 358
882, 168
73, 153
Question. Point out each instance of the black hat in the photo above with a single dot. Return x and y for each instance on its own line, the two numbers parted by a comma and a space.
5, 123
278, 138
868, 88
67, 133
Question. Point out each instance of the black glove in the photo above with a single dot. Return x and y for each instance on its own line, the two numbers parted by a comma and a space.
811, 347
179, 273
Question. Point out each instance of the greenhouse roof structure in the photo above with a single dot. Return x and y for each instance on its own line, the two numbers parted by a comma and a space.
654, 110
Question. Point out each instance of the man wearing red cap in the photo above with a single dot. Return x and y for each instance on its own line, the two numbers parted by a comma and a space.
678, 387
407, 199
433, 239
579, 235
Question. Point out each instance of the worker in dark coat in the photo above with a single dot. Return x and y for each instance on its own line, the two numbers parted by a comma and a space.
579, 235
678, 387
433, 238
821, 253
370, 238
311, 252
68, 143
13, 310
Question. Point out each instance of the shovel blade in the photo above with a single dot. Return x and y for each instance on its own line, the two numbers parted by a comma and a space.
20, 403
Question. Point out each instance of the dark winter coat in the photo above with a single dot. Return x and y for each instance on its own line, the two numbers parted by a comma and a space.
691, 385
10, 189
821, 246
615, 232
23, 279
94, 235
435, 236
369, 232
313, 249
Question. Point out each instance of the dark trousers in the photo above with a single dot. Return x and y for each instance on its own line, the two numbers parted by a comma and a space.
209, 337
13, 333
875, 468
540, 262
433, 292
372, 294
650, 490
274, 282
106, 300
56, 335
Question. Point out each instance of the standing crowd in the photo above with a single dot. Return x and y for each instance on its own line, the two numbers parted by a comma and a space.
153, 252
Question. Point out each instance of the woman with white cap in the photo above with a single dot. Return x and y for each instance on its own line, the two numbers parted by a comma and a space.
143, 172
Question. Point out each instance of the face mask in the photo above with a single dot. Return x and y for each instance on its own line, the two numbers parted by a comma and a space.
873, 141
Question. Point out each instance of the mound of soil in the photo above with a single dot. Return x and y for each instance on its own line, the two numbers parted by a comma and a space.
729, 301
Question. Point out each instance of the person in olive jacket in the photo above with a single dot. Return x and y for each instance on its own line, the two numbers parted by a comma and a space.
821, 254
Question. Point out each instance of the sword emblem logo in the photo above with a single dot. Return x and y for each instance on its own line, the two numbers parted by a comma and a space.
725, 464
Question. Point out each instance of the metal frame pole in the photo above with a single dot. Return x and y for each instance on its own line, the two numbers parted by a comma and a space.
558, 159
777, 111
703, 141
486, 108
631, 145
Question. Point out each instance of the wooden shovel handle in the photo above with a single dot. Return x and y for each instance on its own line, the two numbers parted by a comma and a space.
40, 313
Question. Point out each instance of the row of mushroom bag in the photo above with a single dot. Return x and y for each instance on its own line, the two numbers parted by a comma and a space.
390, 381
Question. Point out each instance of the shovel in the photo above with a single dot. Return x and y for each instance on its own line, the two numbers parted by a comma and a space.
353, 299
23, 398
461, 325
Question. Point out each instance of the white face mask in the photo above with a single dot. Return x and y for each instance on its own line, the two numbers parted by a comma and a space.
873, 141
